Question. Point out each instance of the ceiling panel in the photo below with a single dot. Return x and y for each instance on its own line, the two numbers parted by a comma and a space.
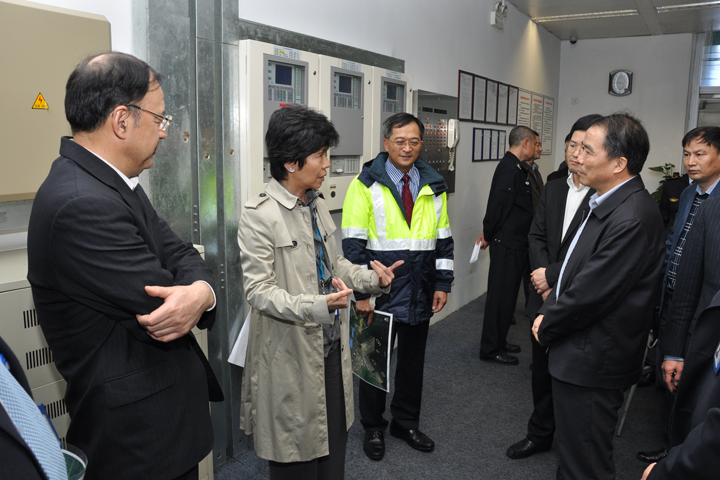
695, 21
598, 28
647, 22
545, 8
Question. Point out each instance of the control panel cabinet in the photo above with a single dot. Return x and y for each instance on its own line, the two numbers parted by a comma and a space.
271, 77
392, 93
345, 98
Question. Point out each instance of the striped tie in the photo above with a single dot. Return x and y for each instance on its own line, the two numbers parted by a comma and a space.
32, 426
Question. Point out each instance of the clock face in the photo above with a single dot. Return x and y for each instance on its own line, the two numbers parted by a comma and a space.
620, 83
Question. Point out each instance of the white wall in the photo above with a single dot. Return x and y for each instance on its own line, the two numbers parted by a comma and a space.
436, 41
661, 76
117, 12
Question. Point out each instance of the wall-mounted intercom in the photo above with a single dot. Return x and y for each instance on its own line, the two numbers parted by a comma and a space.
442, 132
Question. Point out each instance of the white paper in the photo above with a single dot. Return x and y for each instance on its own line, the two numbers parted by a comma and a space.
475, 253
239, 350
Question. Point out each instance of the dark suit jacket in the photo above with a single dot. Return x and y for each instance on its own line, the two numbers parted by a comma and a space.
509, 208
699, 388
695, 431
547, 248
670, 200
138, 407
16, 458
698, 278
561, 172
598, 328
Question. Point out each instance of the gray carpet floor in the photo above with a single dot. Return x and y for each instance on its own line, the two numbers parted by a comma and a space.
473, 410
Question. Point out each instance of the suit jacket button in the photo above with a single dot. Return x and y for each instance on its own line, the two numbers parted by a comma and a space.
294, 243
189, 345
263, 194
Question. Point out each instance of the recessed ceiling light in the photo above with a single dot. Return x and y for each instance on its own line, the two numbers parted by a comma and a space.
587, 16
687, 6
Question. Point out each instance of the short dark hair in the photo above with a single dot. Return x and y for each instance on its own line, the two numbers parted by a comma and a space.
708, 135
294, 133
98, 85
399, 120
583, 123
568, 137
626, 137
519, 134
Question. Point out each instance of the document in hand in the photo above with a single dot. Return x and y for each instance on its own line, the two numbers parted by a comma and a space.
370, 347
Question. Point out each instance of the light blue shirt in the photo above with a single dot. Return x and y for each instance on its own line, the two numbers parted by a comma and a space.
595, 201
397, 178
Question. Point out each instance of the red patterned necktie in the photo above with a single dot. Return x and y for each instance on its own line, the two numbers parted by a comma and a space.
407, 198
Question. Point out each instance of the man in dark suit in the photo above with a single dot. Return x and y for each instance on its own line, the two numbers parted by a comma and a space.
596, 319
16, 457
696, 418
670, 199
116, 291
564, 204
505, 228
701, 156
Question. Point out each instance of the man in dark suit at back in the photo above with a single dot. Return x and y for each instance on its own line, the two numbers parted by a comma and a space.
596, 319
563, 207
505, 229
701, 157
116, 291
696, 418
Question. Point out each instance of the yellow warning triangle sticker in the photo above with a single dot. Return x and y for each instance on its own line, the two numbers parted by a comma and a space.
40, 103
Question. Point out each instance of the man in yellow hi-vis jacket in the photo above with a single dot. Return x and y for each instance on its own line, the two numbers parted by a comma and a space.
396, 209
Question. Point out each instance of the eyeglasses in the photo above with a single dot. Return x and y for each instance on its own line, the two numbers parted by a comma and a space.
400, 143
165, 120
571, 147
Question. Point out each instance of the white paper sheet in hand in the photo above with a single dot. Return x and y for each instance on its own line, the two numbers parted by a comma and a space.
237, 356
475, 254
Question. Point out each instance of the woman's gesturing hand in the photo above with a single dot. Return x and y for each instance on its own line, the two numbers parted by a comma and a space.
385, 274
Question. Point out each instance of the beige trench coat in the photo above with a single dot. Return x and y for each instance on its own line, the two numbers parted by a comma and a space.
283, 385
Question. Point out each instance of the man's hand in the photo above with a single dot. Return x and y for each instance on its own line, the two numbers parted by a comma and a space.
481, 241
539, 281
545, 294
385, 274
439, 301
536, 326
672, 371
648, 470
363, 308
340, 298
182, 308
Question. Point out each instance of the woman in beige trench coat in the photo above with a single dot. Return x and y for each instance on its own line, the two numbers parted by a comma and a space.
297, 394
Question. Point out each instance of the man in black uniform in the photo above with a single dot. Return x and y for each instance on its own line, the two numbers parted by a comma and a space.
505, 228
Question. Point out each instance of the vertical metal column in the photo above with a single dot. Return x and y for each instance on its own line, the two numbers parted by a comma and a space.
194, 44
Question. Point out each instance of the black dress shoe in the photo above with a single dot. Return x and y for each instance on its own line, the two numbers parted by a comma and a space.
501, 358
415, 438
374, 445
524, 448
512, 348
652, 457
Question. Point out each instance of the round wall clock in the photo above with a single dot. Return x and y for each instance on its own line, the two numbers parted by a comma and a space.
620, 83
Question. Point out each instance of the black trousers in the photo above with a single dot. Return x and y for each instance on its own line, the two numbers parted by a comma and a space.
585, 419
407, 399
331, 466
504, 276
541, 427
